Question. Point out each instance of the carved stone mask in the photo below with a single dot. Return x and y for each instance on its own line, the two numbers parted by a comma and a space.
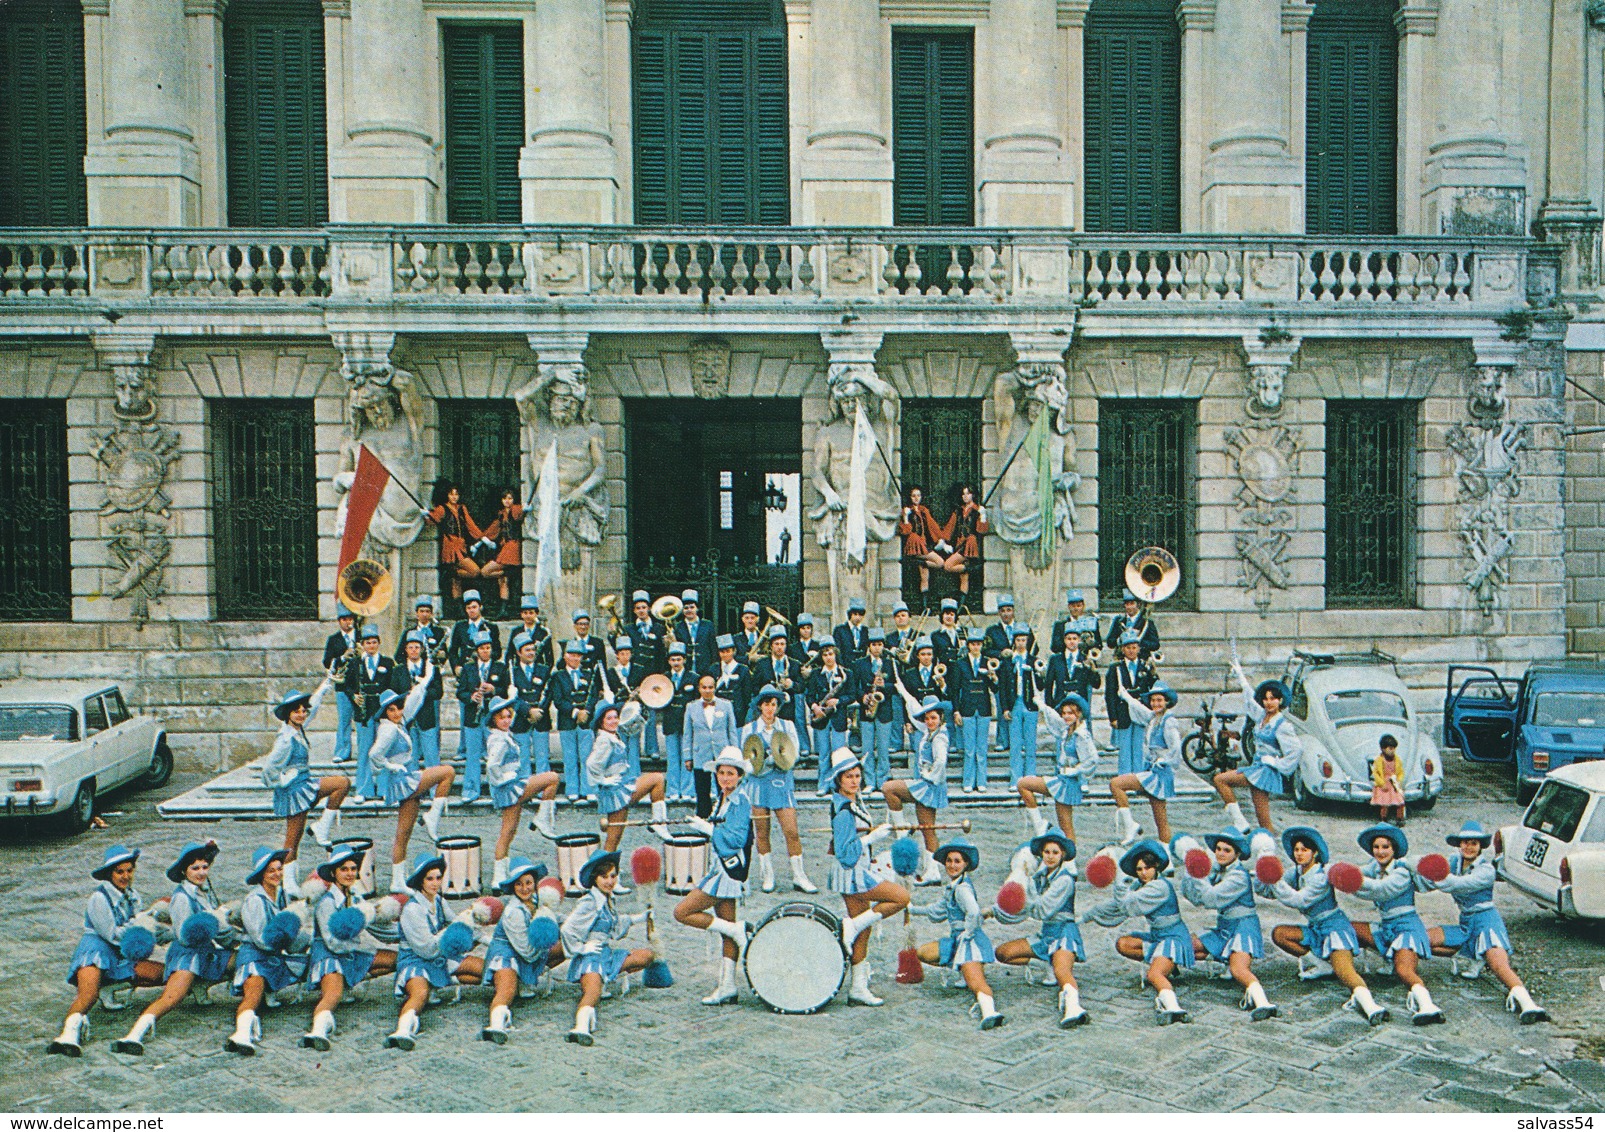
133, 393
710, 367
1488, 393
1265, 389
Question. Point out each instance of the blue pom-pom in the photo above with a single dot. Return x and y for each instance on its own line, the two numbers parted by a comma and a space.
347, 923
198, 930
456, 941
905, 856
657, 974
542, 934
137, 942
281, 931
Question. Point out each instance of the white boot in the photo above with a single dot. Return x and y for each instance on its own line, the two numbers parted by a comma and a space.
74, 1032
545, 813
858, 992
1466, 968
292, 879
725, 992
1362, 1003
736, 931
501, 1020
398, 876
659, 823
406, 1035
1035, 824
498, 873
134, 1041
1070, 1011
990, 1018
1126, 828
1169, 1009
766, 873
432, 816
1234, 814
321, 827
1426, 1012
1312, 966
899, 820
1254, 999
318, 1037
854, 926
1520, 1003
930, 872
584, 1027
799, 878
246, 1032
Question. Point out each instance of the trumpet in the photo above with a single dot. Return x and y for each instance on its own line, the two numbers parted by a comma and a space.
939, 674
992, 664
1040, 666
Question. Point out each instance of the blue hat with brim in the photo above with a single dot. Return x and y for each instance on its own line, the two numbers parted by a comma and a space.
623, 643
1311, 836
1021, 631
1163, 689
115, 855
1401, 844
1231, 837
677, 649
1130, 638
751, 607
1471, 831
520, 639
575, 647
875, 634
690, 596
842, 760
260, 860
1053, 837
1127, 595
342, 852
1080, 702
770, 692
422, 601
422, 640
1271, 686
1005, 601
724, 641
581, 615
601, 713
1128, 862
341, 611
289, 703
899, 607
930, 704
777, 631
855, 605
370, 632
520, 867
976, 636
192, 852
805, 618
387, 697
421, 864
595, 863
1073, 596
949, 604
639, 596
530, 601
483, 638
971, 853
499, 703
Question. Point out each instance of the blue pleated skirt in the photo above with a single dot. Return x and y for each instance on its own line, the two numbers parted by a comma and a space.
773, 791
608, 963
395, 787
93, 951
931, 795
500, 956
1263, 776
612, 799
277, 971
410, 966
721, 886
1331, 932
1477, 932
352, 967
1065, 789
851, 881
1403, 933
1241, 934
509, 793
956, 950
1128, 743
1159, 782
1173, 943
209, 964
1065, 936
296, 798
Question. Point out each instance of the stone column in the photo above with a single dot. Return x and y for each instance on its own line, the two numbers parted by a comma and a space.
1416, 24
142, 166
1252, 182
383, 166
847, 162
1073, 42
1023, 175
569, 169
204, 23
1567, 216
1197, 19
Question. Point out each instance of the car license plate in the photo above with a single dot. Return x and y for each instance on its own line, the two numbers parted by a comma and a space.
1537, 849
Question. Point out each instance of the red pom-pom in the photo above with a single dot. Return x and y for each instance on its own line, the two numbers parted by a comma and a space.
1197, 863
553, 883
487, 910
1344, 877
646, 865
1434, 866
1101, 872
1011, 898
1268, 870
909, 967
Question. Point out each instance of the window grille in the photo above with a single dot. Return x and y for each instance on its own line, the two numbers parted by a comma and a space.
1147, 490
1370, 504
264, 509
35, 559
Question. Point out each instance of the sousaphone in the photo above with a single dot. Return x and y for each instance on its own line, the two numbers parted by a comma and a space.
365, 587
1152, 574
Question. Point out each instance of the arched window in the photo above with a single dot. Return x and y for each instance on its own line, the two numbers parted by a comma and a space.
275, 120
42, 131
1132, 110
1352, 118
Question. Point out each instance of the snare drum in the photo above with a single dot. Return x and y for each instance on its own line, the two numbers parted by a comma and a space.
364, 883
573, 850
462, 865
795, 961
685, 861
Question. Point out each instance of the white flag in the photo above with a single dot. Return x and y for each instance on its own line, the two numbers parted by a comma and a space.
548, 514
857, 486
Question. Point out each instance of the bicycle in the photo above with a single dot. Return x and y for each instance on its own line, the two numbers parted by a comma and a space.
1212, 746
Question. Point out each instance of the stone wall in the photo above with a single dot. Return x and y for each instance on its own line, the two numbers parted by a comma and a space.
1585, 507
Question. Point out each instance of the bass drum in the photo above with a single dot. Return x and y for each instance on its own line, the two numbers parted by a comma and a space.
795, 961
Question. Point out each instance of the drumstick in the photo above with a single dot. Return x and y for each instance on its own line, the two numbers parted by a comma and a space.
963, 826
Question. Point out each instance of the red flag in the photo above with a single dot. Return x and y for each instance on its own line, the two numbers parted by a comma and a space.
363, 500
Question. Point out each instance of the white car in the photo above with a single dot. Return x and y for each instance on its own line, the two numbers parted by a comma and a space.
1341, 705
65, 743
1556, 854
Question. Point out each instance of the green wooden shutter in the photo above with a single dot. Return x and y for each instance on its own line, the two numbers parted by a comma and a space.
1132, 108
484, 69
275, 117
1351, 118
42, 127
933, 128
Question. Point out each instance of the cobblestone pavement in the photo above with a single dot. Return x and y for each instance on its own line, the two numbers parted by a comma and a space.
659, 1049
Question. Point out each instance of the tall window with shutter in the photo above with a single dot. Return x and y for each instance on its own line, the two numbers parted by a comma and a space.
1132, 111
711, 136
484, 66
933, 127
42, 130
1351, 118
275, 119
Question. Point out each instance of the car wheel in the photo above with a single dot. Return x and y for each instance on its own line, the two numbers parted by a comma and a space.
1524, 790
1302, 798
161, 766
77, 816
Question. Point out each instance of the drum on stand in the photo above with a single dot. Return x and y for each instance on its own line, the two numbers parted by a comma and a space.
795, 961
685, 861
462, 865
364, 883
573, 850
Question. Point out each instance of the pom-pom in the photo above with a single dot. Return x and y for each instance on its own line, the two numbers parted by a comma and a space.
347, 923
1344, 877
646, 866
456, 941
387, 909
137, 942
1183, 844
313, 888
1197, 862
163, 910
542, 934
905, 856
656, 973
550, 889
1011, 898
198, 930
1261, 843
1434, 866
1268, 870
909, 967
487, 910
281, 930
1101, 871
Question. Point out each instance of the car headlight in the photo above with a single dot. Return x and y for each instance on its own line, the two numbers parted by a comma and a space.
1540, 760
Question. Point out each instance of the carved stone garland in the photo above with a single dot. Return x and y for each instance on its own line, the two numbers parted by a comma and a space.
1487, 477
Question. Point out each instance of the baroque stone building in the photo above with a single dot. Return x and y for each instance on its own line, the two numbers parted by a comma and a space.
1302, 291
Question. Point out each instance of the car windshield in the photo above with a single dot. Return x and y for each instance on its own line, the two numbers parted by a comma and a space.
37, 721
1365, 705
1556, 810
1569, 709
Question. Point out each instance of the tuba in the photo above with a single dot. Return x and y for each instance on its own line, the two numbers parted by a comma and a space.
1152, 574
364, 587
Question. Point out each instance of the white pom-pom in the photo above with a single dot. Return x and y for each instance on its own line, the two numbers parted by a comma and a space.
549, 896
1185, 844
313, 888
163, 910
387, 910
1262, 844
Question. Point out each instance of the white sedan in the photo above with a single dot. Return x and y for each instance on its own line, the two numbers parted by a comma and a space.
65, 743
1556, 854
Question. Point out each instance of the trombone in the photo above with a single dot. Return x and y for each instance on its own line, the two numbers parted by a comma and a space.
905, 648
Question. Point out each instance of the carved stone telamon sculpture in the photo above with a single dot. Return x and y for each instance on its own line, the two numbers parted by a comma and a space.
386, 417
858, 506
556, 424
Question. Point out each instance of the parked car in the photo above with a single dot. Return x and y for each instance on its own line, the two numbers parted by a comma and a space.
63, 744
1556, 854
1552, 716
1341, 704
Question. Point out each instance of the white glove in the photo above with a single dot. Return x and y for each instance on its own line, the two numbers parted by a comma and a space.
392, 767
466, 916
701, 825
879, 833
638, 917
288, 777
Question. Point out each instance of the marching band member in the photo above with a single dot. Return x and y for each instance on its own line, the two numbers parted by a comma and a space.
401, 782
509, 958
1162, 751
927, 789
587, 934
621, 679
1327, 943
830, 693
1167, 944
1236, 939
1480, 936
851, 636
777, 669
772, 791
593, 650
423, 614
1135, 619
1078, 621
730, 677
711, 905
967, 947
999, 643
529, 625
679, 784
868, 899
948, 637
205, 960
1071, 672
1020, 700
574, 692
102, 956
1051, 898
456, 527
898, 645
295, 791
697, 633
647, 640
506, 530
873, 677
608, 764
1127, 674
708, 727
531, 686
464, 644
973, 679
479, 681
342, 645
420, 963
1277, 748
1075, 762
367, 677
921, 532
805, 653
340, 957
423, 727
510, 789
1389, 882
747, 639
964, 528
261, 966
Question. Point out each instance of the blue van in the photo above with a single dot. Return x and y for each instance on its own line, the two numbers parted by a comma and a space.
1553, 716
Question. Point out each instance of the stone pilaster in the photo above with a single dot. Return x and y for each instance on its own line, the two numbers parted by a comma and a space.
1025, 178
1567, 216
569, 168
840, 54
